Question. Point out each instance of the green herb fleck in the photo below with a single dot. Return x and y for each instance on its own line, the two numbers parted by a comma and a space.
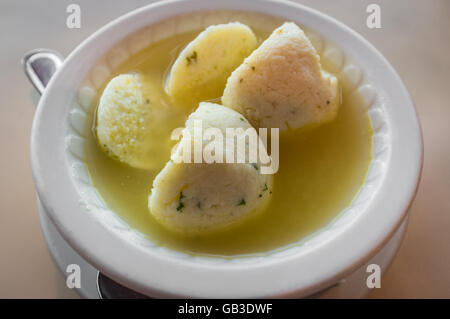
265, 187
192, 58
260, 195
328, 102
180, 203
255, 166
242, 119
242, 202
180, 207
147, 101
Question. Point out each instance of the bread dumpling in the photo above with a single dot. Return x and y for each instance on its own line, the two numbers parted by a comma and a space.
126, 117
194, 198
282, 84
203, 66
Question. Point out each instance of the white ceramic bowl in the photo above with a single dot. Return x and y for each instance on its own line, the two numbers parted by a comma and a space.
106, 242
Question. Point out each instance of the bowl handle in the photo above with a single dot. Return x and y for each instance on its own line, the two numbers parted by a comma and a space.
39, 65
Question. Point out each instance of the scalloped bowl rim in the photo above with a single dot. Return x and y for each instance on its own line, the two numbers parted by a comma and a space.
150, 269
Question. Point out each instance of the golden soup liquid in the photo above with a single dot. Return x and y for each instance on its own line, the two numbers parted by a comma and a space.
320, 172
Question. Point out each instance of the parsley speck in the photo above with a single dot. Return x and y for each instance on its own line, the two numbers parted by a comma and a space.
180, 203
242, 202
192, 58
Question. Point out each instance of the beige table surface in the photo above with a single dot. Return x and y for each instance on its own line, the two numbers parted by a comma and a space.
415, 38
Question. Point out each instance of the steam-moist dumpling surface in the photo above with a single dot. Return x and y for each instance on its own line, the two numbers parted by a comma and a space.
127, 118
199, 197
203, 66
282, 85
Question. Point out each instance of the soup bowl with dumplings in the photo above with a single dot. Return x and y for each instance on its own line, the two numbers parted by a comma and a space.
333, 212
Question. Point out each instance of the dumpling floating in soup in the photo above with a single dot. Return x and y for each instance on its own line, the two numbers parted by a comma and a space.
282, 84
202, 68
127, 119
202, 197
